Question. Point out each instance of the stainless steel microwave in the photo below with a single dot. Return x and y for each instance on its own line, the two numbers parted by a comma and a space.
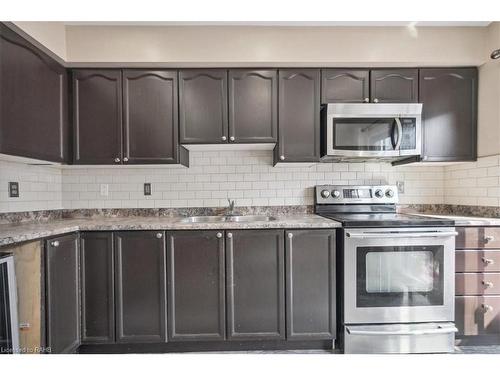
358, 132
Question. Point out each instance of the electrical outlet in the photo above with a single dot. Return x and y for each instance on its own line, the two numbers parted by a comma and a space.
147, 188
104, 190
13, 189
401, 187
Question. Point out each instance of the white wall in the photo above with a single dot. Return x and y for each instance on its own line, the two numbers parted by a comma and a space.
262, 45
51, 34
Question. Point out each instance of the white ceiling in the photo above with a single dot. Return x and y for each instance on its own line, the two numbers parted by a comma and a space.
287, 23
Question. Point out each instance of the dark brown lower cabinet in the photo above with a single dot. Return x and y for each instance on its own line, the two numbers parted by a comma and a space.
140, 286
310, 284
97, 287
255, 284
62, 294
196, 289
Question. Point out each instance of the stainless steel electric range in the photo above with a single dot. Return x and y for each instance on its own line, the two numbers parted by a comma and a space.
396, 273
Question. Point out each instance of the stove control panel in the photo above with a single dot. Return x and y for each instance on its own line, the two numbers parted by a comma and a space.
343, 194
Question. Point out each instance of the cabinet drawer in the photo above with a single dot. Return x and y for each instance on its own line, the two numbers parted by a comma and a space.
477, 315
478, 238
477, 261
477, 283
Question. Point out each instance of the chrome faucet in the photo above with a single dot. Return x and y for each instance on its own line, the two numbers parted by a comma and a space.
230, 209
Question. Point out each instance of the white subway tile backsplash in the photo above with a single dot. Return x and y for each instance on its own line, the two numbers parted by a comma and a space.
246, 176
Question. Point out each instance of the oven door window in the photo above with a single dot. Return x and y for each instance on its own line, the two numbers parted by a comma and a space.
364, 134
389, 276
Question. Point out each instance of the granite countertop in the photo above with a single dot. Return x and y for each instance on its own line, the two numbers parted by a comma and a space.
461, 221
14, 233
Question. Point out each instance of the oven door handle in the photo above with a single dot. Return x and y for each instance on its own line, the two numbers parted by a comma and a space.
402, 333
401, 234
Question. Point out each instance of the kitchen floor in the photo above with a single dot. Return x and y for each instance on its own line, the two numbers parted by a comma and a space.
484, 349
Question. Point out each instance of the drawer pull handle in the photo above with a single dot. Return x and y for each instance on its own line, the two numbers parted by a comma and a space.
159, 235
487, 261
488, 239
487, 284
487, 308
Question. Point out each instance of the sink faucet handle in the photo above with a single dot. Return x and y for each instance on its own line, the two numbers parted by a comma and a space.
231, 203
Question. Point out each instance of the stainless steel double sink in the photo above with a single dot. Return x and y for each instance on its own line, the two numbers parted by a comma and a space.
228, 219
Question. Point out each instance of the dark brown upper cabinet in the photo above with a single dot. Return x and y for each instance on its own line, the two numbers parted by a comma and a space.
345, 86
203, 106
449, 114
150, 119
97, 287
394, 86
33, 101
140, 286
255, 285
97, 116
196, 286
253, 106
310, 284
298, 116
62, 294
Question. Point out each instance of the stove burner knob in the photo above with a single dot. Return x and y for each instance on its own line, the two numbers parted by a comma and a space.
325, 193
379, 193
336, 194
389, 193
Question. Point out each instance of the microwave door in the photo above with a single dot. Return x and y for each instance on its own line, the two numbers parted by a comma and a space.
363, 137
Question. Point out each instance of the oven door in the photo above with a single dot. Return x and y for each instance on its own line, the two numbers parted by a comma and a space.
399, 275
372, 136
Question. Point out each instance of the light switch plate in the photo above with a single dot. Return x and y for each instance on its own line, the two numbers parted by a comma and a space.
147, 188
13, 189
104, 190
401, 187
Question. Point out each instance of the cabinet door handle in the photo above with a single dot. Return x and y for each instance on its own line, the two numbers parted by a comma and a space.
231, 138
375, 100
219, 235
282, 157
159, 235
117, 160
488, 239
223, 137
487, 284
486, 308
229, 235
290, 235
125, 159
55, 243
366, 100
487, 261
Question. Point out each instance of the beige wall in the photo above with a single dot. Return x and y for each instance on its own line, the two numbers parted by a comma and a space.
51, 34
489, 96
320, 46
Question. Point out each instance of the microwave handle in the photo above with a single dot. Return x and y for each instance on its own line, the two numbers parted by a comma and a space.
400, 133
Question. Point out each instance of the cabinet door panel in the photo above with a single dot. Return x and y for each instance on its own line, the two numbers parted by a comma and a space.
253, 104
310, 269
97, 287
150, 116
33, 101
394, 85
472, 318
345, 86
63, 301
449, 114
140, 286
255, 285
298, 119
203, 106
196, 290
97, 116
